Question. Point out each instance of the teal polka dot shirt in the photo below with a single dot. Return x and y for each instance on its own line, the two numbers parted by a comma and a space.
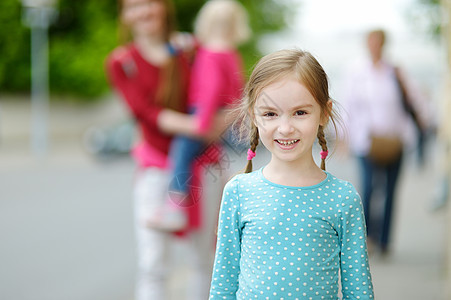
283, 242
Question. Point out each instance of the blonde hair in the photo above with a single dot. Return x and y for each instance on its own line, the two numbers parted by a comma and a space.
274, 67
226, 17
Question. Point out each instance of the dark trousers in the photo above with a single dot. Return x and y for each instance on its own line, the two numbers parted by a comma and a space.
384, 178
184, 151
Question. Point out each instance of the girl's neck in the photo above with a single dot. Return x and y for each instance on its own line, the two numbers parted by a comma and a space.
153, 49
301, 174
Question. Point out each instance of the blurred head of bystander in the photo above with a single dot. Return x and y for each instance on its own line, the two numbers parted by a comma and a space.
375, 43
224, 20
155, 18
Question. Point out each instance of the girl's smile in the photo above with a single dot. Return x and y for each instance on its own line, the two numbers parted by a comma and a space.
287, 144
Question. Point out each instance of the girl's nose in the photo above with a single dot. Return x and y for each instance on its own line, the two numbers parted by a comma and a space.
285, 126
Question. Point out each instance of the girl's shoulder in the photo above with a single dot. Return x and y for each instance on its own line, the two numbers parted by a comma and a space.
345, 191
337, 181
242, 180
341, 184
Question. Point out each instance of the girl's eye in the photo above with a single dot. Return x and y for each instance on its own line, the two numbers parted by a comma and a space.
269, 114
300, 113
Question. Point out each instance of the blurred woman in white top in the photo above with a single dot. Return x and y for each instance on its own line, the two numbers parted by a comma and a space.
373, 105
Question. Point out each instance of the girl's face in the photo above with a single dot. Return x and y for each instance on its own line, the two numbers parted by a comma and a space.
145, 17
287, 117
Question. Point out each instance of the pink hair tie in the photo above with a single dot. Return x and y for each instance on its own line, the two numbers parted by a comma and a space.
324, 154
250, 154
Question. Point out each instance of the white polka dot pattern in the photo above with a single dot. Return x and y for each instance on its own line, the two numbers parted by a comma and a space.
282, 242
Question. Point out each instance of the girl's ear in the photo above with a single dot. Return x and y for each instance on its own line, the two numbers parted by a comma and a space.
326, 113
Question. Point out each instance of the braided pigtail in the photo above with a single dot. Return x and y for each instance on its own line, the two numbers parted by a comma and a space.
323, 143
251, 151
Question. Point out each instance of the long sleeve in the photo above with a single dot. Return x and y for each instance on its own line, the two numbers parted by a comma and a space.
355, 271
226, 270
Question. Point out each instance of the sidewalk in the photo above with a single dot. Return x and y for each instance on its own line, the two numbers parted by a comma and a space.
66, 220
416, 269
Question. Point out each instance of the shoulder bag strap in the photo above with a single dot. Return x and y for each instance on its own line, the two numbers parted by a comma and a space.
405, 101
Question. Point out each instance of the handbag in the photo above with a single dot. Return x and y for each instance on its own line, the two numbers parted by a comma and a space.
385, 150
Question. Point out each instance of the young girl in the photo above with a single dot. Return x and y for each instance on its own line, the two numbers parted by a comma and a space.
289, 229
216, 83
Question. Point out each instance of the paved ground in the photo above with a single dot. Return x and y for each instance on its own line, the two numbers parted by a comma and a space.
66, 220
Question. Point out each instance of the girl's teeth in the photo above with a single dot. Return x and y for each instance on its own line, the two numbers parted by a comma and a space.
288, 143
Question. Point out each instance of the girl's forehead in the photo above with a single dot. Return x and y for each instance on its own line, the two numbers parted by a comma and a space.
287, 91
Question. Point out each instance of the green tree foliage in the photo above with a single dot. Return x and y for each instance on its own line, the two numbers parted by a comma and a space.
86, 31
14, 48
264, 17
